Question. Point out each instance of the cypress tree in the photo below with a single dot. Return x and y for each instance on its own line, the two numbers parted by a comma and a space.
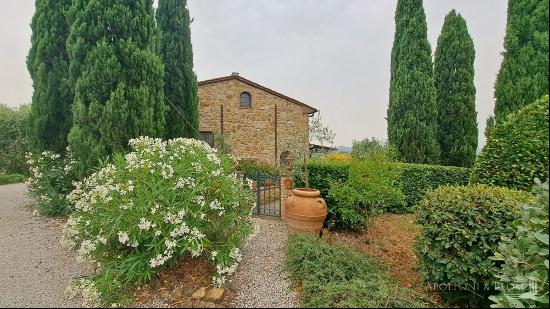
180, 82
456, 93
47, 62
412, 112
117, 77
523, 76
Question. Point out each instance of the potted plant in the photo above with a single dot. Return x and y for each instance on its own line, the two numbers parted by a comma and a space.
306, 210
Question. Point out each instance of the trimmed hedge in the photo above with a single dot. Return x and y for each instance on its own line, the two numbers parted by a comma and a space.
461, 228
323, 173
387, 180
380, 182
417, 179
517, 150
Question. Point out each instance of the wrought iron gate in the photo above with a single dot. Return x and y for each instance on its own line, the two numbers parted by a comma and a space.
267, 191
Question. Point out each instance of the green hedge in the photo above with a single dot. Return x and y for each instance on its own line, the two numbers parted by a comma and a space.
417, 179
252, 168
385, 183
517, 149
12, 178
323, 173
461, 228
380, 182
13, 139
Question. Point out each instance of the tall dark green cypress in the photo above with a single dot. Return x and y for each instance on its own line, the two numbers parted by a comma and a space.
523, 76
180, 82
117, 77
412, 112
456, 93
48, 63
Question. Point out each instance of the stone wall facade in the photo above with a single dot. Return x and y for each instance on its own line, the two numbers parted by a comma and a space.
261, 133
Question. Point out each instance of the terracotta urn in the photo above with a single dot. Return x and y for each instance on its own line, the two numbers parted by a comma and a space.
305, 211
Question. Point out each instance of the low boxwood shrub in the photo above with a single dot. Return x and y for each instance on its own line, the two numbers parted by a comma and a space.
149, 208
517, 149
460, 230
523, 278
12, 178
51, 180
332, 276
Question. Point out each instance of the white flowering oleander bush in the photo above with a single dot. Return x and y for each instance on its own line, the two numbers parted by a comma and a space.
50, 181
163, 201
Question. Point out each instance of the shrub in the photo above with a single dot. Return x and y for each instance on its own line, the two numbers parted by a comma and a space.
372, 147
13, 140
417, 179
11, 178
340, 277
250, 169
349, 211
517, 149
461, 228
376, 185
163, 201
523, 279
336, 157
398, 187
379, 180
323, 173
50, 181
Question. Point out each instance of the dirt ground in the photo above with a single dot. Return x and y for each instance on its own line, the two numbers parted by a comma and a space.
174, 288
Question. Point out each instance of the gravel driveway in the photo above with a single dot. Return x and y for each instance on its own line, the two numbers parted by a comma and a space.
35, 269
260, 280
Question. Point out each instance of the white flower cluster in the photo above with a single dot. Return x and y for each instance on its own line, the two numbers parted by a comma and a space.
49, 171
87, 288
158, 203
223, 270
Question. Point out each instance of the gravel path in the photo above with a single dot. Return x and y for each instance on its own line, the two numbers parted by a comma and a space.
35, 269
260, 280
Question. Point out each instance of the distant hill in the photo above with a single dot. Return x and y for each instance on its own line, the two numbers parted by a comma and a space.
344, 149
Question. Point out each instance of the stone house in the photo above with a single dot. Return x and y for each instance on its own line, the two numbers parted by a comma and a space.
257, 123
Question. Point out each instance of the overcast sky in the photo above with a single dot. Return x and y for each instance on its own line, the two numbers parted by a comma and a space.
331, 54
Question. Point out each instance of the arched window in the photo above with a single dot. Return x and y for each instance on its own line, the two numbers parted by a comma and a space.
246, 100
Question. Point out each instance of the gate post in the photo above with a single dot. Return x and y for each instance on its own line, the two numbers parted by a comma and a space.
286, 189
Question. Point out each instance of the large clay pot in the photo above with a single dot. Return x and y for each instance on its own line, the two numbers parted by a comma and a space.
305, 211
